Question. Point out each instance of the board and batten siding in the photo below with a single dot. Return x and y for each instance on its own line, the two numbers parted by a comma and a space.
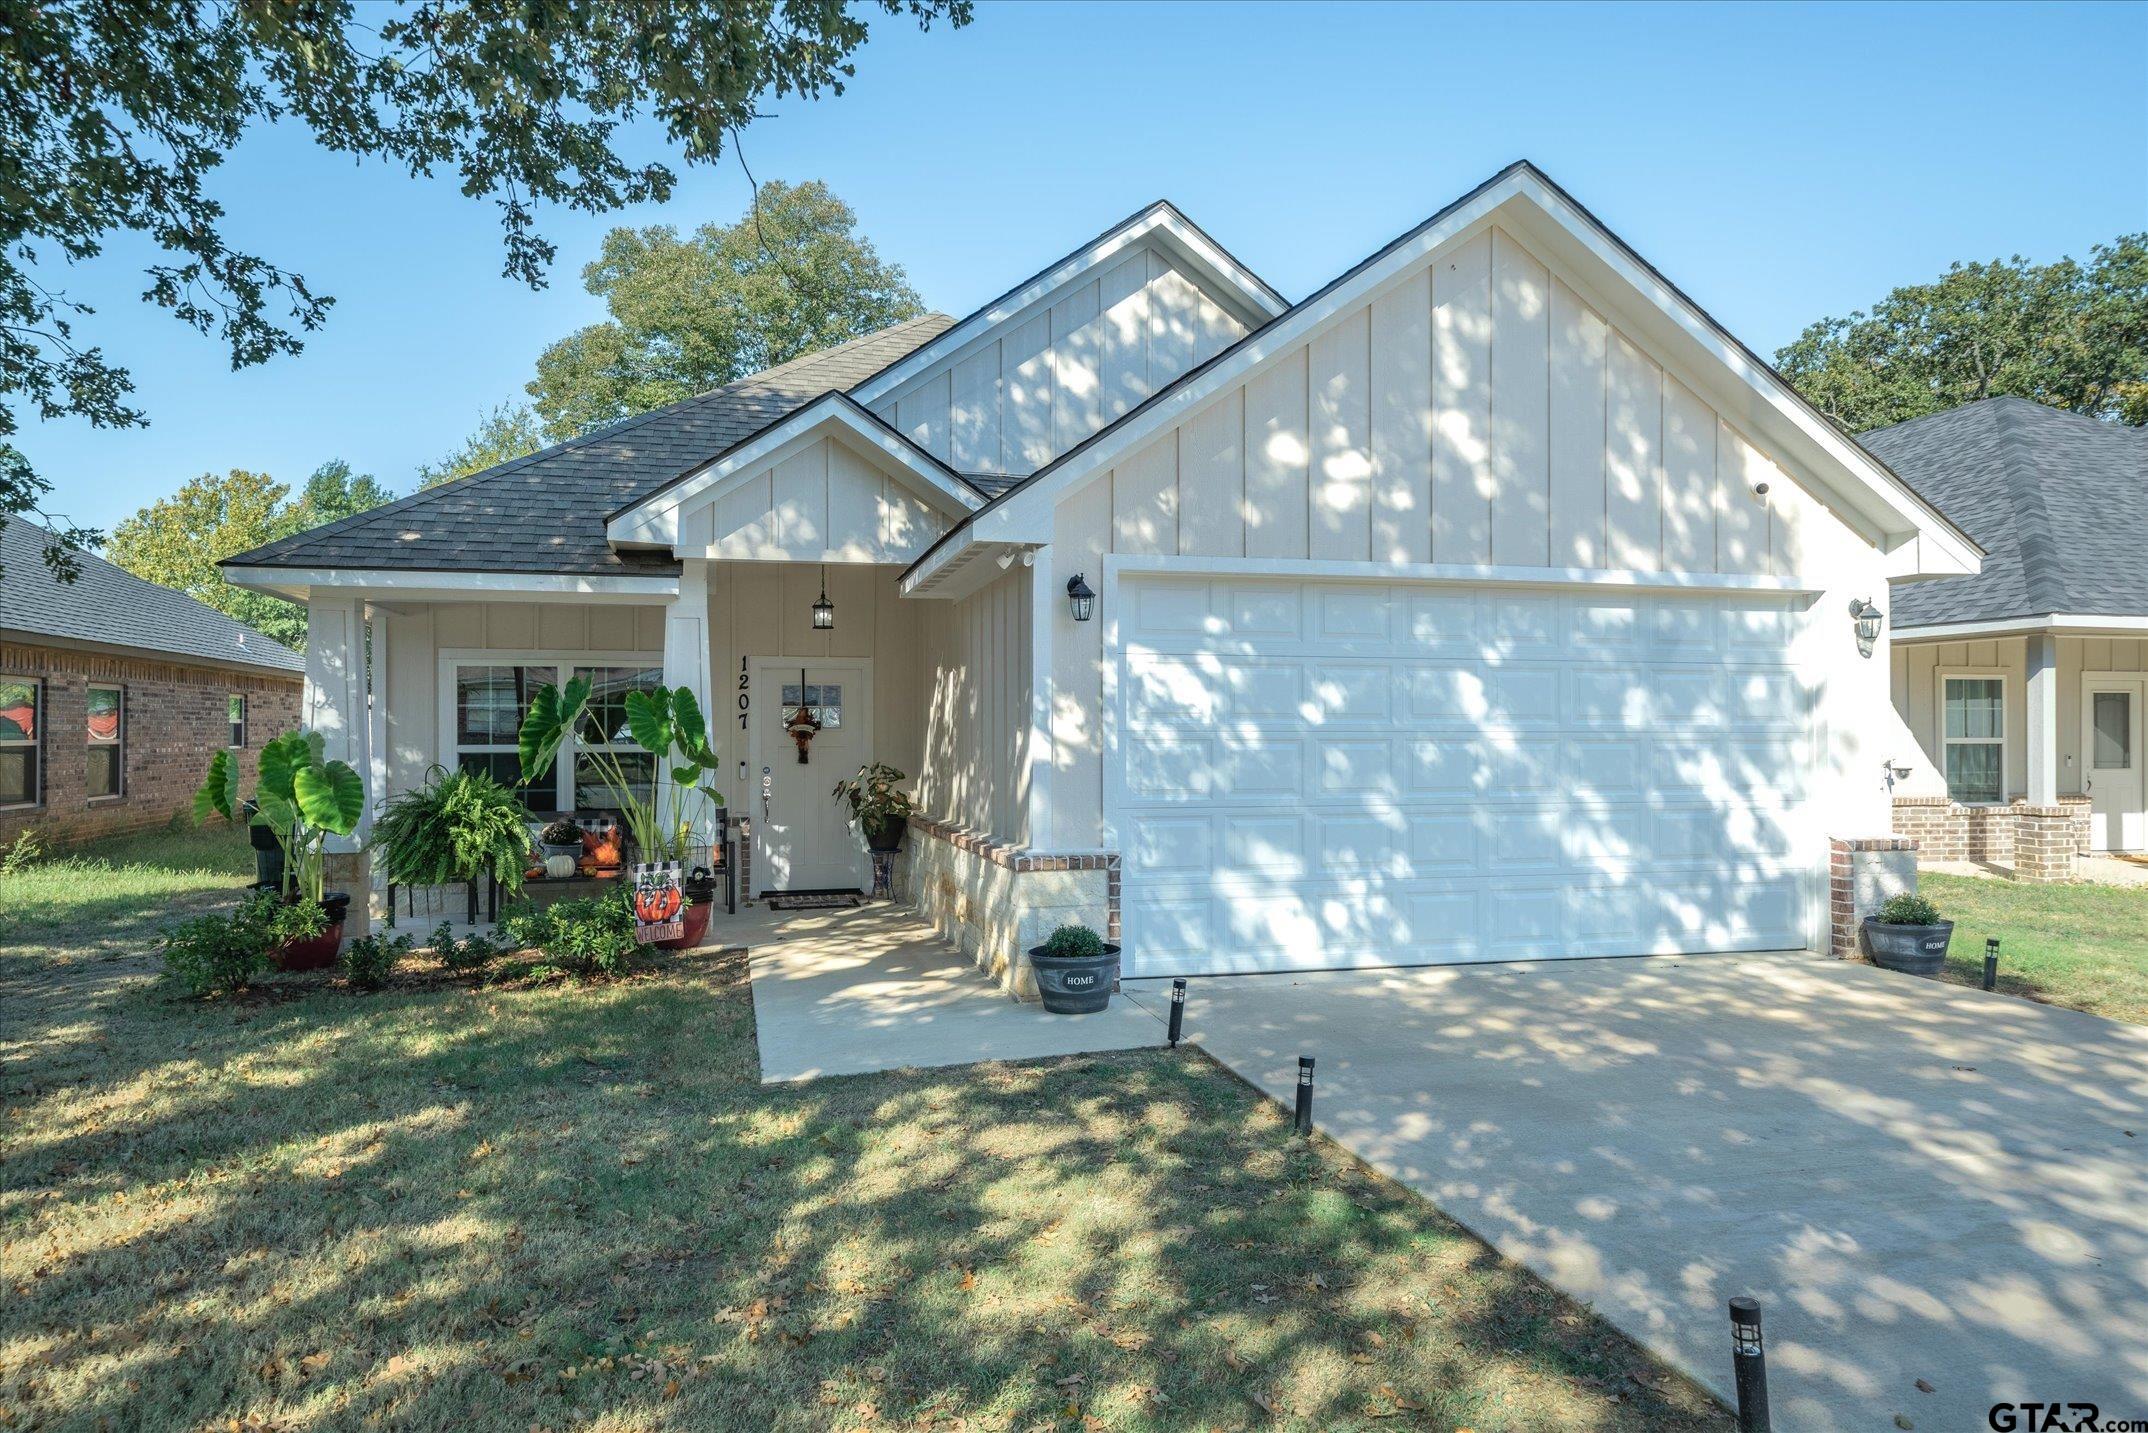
1045, 380
1475, 411
825, 502
976, 674
1479, 410
1917, 670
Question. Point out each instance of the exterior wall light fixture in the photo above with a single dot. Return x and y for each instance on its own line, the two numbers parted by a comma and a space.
1080, 600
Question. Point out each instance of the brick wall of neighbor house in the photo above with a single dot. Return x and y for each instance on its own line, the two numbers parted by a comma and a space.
1947, 830
994, 900
175, 721
1862, 873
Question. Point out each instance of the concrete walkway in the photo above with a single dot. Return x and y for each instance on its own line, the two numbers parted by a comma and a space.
1918, 1180
845, 992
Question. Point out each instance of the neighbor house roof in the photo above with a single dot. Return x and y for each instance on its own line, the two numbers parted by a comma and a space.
112, 608
546, 512
2058, 500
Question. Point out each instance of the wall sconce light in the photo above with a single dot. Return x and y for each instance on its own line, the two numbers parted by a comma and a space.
1080, 599
1867, 617
824, 610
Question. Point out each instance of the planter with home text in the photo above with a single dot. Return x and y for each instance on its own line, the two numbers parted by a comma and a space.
1076, 971
1906, 934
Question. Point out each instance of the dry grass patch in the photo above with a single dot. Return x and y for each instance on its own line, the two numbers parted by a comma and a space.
576, 1207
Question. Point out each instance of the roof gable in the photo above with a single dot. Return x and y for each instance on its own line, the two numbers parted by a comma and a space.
2058, 500
1745, 391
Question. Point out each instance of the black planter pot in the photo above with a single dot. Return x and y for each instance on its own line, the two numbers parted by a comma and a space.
1911, 949
1075, 985
886, 835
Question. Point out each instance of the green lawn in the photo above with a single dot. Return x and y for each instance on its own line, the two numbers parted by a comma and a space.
2078, 945
114, 894
447, 1206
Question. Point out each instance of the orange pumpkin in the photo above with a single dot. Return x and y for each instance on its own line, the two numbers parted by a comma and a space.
654, 905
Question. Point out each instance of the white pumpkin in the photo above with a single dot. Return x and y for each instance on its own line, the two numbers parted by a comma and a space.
559, 867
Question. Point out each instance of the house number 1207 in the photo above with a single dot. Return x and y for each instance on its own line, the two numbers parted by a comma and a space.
745, 692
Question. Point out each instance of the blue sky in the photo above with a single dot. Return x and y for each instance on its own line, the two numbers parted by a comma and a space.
1779, 164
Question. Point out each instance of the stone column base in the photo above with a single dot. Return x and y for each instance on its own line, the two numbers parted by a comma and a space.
995, 900
1863, 872
2045, 843
352, 872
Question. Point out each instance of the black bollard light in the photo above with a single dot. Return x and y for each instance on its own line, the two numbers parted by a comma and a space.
1991, 962
1305, 1094
1178, 1010
1749, 1365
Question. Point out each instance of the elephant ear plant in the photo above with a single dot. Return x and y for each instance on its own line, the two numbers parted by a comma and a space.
668, 724
300, 798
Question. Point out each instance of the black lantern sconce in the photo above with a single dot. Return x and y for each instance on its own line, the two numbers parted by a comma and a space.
1867, 619
824, 610
1080, 600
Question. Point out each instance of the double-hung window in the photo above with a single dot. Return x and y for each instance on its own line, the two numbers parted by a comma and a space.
1973, 717
235, 717
106, 732
21, 741
490, 699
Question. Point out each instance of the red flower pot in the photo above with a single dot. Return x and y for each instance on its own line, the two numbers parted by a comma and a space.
317, 952
696, 920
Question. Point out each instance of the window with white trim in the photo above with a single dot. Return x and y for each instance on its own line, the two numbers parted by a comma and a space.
22, 705
491, 699
1973, 731
105, 730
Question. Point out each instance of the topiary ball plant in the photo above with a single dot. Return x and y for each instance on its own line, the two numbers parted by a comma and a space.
1074, 942
1908, 908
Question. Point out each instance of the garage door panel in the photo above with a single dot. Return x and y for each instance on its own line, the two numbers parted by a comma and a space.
1330, 774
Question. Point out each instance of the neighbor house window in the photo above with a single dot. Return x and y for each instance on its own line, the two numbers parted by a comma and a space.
21, 737
1974, 714
106, 732
235, 715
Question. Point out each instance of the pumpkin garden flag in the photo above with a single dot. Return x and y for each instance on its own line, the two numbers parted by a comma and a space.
659, 902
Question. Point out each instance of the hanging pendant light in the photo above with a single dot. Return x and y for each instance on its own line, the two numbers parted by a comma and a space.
824, 610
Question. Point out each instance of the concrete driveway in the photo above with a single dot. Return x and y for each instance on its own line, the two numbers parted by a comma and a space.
1919, 1181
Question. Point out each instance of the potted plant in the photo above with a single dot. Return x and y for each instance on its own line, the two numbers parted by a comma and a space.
661, 821
302, 799
561, 838
1906, 934
454, 828
1076, 970
881, 810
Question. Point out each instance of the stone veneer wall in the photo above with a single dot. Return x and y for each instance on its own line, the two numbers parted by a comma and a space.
1862, 873
995, 900
1947, 830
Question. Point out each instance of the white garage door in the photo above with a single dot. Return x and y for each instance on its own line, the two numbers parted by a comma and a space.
1314, 775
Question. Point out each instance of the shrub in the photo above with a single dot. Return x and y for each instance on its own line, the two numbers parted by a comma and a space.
25, 852
1074, 942
584, 937
213, 954
1908, 908
368, 961
292, 920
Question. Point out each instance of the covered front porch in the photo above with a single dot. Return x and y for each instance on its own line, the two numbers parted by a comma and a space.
2029, 746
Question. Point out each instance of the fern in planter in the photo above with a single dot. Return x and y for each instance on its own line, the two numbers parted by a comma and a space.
456, 827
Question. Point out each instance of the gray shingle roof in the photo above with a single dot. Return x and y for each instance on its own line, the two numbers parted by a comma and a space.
546, 512
109, 606
2059, 501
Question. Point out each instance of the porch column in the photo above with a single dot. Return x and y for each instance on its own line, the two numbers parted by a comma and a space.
686, 653
334, 700
2043, 719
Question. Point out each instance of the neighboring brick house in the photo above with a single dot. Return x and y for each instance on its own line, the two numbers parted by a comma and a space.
114, 692
2024, 688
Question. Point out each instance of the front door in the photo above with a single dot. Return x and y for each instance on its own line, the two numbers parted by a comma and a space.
2111, 720
803, 839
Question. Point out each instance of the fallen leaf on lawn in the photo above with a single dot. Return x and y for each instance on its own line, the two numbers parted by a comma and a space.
1924, 1387
1070, 1380
1902, 1422
671, 1389
1238, 1365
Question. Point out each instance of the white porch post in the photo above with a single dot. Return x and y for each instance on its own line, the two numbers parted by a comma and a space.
334, 701
2043, 719
1037, 813
686, 653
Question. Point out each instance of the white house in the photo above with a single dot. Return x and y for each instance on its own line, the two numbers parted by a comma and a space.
1490, 603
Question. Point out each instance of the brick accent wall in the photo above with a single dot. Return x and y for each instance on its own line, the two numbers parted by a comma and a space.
175, 720
1947, 830
995, 899
1862, 872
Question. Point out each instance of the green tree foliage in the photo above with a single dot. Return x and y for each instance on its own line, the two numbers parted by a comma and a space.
689, 313
508, 432
114, 115
2069, 334
177, 541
